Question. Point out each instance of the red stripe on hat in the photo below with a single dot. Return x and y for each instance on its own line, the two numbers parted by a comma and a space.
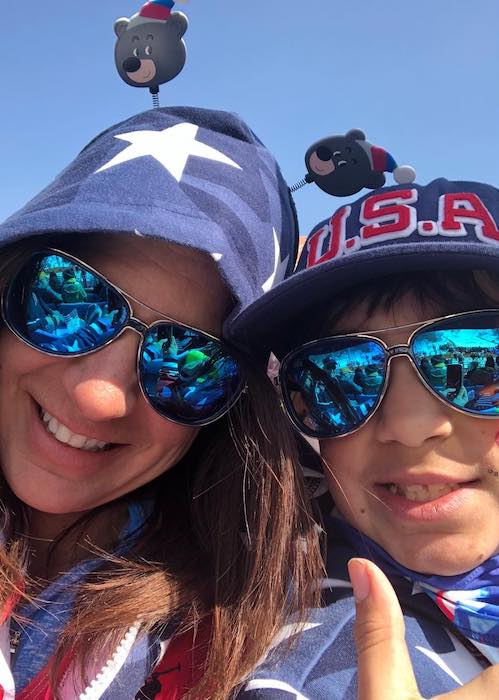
155, 11
379, 158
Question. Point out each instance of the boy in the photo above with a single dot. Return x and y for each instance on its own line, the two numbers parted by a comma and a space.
400, 281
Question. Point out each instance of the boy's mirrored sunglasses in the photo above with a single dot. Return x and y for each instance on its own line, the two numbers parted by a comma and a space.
333, 386
60, 306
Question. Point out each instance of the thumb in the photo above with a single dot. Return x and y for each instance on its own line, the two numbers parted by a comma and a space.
384, 666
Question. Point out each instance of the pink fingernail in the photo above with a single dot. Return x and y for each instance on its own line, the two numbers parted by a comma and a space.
359, 579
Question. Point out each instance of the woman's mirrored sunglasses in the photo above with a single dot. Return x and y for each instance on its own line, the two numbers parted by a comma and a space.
333, 386
60, 306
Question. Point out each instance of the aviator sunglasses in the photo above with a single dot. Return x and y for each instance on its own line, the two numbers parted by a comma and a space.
331, 387
60, 306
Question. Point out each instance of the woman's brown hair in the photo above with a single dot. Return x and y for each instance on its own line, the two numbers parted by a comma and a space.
230, 539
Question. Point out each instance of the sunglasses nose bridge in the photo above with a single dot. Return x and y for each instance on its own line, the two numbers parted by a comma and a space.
137, 326
397, 351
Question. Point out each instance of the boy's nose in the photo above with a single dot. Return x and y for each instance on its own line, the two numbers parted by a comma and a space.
409, 413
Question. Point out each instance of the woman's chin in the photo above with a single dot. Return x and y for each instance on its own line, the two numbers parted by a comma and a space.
54, 502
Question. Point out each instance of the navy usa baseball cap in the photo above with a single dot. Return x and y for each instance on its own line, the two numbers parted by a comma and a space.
195, 177
410, 227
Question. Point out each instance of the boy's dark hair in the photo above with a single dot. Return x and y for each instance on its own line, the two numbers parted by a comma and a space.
438, 292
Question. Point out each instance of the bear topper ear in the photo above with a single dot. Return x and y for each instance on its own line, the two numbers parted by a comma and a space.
178, 23
375, 180
121, 25
356, 135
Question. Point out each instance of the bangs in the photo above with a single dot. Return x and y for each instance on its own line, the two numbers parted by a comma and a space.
441, 291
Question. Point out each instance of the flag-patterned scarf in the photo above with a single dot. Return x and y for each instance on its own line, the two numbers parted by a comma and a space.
470, 600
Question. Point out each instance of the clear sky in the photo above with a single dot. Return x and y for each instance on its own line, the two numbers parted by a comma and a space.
421, 78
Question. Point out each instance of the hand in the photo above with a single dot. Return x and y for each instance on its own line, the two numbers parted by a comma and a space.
384, 666
459, 397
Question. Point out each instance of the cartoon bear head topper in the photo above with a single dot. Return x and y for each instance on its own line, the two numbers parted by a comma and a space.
343, 165
150, 50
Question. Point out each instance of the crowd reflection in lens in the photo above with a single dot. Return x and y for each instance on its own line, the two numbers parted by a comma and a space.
336, 390
333, 387
182, 369
71, 310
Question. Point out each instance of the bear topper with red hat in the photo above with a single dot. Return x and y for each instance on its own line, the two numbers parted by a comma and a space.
343, 165
149, 50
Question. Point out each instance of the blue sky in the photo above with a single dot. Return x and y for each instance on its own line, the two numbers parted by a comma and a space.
420, 78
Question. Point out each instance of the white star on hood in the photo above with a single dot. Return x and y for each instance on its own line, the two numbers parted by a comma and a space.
171, 147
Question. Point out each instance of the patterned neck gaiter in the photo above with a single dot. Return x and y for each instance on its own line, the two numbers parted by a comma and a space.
470, 600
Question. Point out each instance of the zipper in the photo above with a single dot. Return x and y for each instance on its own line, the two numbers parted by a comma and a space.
15, 638
109, 671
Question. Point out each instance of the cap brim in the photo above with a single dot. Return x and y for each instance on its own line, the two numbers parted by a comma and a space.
269, 323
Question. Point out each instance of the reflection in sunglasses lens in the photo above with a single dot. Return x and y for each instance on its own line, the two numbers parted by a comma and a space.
62, 308
332, 386
461, 364
187, 375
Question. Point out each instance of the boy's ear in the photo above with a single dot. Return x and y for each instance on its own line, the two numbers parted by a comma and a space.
178, 22
120, 26
356, 134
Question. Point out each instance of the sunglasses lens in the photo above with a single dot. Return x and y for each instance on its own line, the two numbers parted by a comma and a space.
187, 376
62, 308
331, 387
459, 360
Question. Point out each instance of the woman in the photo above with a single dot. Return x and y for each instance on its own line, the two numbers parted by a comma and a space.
412, 466
150, 515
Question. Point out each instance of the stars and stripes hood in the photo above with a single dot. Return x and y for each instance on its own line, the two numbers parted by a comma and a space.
195, 177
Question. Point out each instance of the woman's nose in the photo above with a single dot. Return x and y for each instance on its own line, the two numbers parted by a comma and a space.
104, 384
409, 414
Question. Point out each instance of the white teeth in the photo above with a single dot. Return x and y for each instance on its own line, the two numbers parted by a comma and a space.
422, 492
62, 433
77, 441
